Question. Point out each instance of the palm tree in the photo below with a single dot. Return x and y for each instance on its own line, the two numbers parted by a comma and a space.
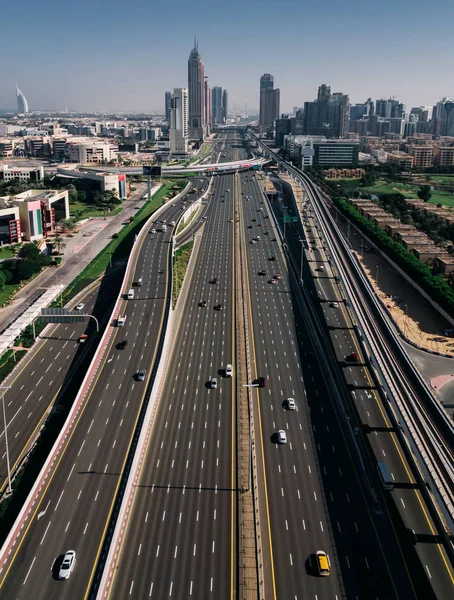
59, 244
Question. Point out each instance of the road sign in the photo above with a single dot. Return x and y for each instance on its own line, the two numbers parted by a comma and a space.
290, 219
61, 315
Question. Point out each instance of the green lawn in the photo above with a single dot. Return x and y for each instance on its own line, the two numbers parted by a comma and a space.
8, 251
407, 189
89, 210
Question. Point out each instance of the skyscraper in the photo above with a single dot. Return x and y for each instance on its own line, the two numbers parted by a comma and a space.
196, 103
179, 121
225, 105
168, 104
326, 115
443, 118
216, 105
266, 100
22, 104
207, 105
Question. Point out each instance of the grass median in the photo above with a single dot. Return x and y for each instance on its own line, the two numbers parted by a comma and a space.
180, 265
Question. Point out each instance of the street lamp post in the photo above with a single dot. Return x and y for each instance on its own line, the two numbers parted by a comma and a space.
4, 388
301, 262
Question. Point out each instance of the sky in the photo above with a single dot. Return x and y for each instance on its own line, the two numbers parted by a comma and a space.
99, 55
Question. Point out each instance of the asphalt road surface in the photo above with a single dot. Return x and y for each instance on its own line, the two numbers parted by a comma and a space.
78, 499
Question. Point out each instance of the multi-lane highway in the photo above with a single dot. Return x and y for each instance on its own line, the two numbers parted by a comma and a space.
318, 491
371, 426
315, 501
74, 508
181, 536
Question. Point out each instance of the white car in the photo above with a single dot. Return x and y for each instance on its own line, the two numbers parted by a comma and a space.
80, 306
228, 371
281, 437
334, 304
153, 231
291, 404
67, 565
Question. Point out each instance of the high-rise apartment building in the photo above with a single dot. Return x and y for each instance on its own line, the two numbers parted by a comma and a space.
225, 105
168, 104
196, 96
179, 121
326, 115
216, 105
443, 118
207, 105
22, 104
269, 102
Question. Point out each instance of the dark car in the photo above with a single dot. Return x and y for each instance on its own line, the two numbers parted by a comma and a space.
202, 303
272, 258
262, 273
353, 357
122, 345
218, 307
261, 382
214, 280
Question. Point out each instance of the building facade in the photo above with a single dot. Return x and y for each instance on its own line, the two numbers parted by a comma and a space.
22, 173
207, 103
90, 152
196, 102
179, 122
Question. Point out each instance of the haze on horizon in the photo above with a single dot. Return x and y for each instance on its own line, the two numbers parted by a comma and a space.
112, 56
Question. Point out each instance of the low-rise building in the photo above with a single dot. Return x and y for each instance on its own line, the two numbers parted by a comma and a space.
444, 265
444, 156
6, 148
393, 230
114, 182
412, 240
39, 211
428, 253
422, 156
90, 152
22, 173
402, 159
344, 173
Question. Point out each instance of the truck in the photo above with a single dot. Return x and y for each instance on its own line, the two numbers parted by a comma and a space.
121, 321
385, 476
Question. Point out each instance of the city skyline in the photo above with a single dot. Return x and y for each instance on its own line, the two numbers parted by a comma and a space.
374, 62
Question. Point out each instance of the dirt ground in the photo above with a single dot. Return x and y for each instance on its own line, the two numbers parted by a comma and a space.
415, 316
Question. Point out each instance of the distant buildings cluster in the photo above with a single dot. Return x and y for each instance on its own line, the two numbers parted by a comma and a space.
328, 131
193, 111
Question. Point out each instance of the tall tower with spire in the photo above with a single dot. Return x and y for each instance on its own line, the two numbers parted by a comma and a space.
196, 94
22, 104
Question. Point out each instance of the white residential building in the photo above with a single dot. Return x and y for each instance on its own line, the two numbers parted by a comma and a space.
179, 121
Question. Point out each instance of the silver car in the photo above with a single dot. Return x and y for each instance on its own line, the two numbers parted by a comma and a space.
281, 436
141, 375
67, 565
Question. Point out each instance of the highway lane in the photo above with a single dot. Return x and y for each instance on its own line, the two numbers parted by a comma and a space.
78, 497
305, 518
181, 533
36, 385
413, 528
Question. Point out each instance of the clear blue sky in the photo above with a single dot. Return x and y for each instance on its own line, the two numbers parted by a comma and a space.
112, 55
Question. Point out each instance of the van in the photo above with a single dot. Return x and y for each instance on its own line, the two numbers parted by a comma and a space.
131, 294
164, 228
121, 321
139, 282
